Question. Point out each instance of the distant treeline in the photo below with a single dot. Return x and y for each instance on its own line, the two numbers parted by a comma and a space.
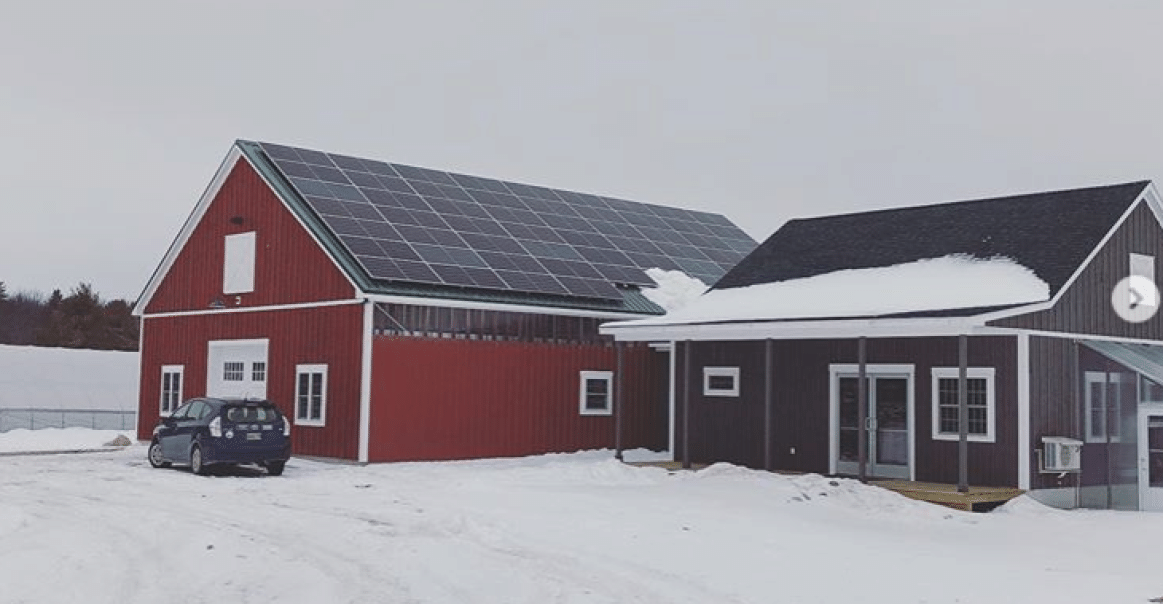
78, 320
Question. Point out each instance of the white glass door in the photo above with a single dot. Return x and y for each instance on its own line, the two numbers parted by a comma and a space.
1151, 459
888, 427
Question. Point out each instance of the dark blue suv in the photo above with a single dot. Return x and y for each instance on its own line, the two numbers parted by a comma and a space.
208, 431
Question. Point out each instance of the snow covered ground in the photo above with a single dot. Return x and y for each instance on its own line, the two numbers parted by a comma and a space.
105, 527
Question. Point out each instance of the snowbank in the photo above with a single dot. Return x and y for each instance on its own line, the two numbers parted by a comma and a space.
949, 282
56, 439
63, 378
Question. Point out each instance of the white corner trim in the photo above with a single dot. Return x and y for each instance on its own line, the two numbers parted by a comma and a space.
671, 398
986, 373
1024, 435
192, 221
500, 306
365, 382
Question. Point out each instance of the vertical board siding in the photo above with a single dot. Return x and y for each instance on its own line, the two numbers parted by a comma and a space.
1085, 307
1055, 406
731, 429
328, 336
438, 398
290, 267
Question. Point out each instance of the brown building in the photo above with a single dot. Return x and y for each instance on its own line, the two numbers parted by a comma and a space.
1062, 395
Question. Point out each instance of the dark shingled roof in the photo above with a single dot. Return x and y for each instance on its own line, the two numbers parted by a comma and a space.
1050, 233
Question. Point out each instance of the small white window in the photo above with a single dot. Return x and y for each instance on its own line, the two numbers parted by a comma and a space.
979, 400
232, 371
258, 372
238, 268
720, 381
171, 388
596, 395
1104, 406
1143, 265
310, 395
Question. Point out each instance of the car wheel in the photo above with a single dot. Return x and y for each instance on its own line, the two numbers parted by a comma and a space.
196, 465
275, 468
155, 456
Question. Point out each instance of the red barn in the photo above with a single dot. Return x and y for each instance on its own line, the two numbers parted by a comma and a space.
401, 313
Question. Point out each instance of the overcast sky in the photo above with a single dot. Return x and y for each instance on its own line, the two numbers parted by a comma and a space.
115, 115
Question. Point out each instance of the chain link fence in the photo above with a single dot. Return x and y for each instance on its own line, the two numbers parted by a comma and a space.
33, 418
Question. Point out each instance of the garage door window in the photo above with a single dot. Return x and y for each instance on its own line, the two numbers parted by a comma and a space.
310, 395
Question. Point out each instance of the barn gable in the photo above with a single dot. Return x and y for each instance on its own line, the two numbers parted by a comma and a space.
289, 266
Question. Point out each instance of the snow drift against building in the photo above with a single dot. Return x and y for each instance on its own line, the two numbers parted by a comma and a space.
949, 282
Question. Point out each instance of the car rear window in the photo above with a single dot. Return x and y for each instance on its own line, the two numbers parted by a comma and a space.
251, 413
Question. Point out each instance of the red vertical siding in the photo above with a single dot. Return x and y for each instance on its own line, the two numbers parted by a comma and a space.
290, 267
328, 335
458, 399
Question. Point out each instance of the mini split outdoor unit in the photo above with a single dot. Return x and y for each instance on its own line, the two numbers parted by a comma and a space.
1061, 454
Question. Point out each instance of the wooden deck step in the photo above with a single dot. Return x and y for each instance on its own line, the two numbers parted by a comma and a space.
671, 466
977, 498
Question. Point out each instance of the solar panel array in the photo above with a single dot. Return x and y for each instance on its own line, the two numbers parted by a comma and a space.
417, 225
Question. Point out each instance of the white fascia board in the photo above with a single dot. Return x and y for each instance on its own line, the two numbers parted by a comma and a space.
229, 310
1147, 196
1009, 331
192, 222
499, 306
796, 330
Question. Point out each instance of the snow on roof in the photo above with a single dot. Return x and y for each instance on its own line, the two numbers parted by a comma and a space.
675, 289
945, 283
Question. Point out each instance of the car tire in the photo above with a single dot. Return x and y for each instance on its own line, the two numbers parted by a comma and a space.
155, 455
196, 464
275, 468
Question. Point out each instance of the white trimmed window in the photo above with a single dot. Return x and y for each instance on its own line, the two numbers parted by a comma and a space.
238, 266
596, 394
1103, 407
720, 381
310, 395
979, 399
171, 388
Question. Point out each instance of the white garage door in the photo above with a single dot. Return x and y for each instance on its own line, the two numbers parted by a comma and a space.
237, 368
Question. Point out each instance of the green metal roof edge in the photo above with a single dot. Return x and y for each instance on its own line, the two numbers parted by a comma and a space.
633, 301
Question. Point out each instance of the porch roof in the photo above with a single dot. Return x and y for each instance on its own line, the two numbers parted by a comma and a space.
1144, 358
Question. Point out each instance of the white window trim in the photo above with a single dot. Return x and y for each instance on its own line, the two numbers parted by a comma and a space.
1100, 377
608, 376
322, 421
238, 263
710, 372
180, 370
986, 373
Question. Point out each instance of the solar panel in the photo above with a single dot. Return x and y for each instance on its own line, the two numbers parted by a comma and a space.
416, 225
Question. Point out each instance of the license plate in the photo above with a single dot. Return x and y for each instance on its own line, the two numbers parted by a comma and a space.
254, 436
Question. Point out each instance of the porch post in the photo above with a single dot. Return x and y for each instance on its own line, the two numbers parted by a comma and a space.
619, 400
962, 414
862, 406
767, 405
686, 405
